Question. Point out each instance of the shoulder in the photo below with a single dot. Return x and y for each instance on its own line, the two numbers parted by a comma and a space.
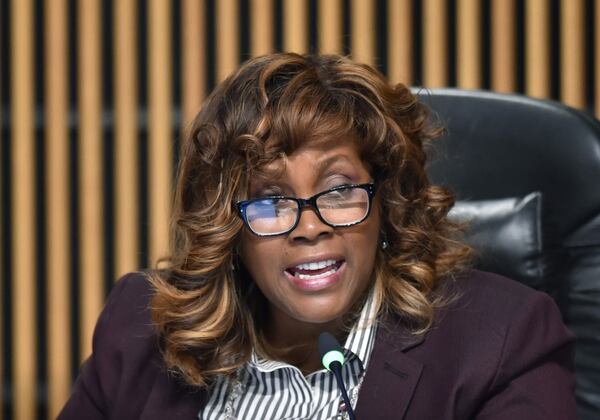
125, 360
509, 341
125, 322
492, 308
496, 299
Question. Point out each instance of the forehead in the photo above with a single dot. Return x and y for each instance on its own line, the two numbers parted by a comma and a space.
314, 158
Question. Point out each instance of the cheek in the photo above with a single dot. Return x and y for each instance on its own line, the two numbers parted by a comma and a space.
260, 256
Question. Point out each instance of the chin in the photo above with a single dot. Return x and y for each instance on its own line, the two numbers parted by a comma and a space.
330, 313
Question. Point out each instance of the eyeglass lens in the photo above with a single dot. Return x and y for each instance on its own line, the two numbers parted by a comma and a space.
277, 215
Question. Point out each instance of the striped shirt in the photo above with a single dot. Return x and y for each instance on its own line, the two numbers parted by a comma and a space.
270, 389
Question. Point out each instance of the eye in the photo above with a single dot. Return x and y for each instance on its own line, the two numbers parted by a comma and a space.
342, 192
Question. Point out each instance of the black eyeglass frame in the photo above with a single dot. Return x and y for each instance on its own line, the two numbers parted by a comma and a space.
241, 207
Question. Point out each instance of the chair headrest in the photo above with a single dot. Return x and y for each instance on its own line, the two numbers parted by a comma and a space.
512, 237
500, 145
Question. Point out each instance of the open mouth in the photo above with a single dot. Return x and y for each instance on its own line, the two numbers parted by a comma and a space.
315, 270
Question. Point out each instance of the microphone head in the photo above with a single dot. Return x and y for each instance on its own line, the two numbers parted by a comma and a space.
330, 350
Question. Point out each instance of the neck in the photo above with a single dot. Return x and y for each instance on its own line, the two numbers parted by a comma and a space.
295, 342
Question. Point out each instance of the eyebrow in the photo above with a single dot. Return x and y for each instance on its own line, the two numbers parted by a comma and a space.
279, 172
324, 164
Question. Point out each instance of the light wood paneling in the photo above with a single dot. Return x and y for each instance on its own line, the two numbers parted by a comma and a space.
435, 49
262, 24
503, 36
572, 53
228, 49
23, 210
123, 26
193, 57
468, 44
537, 48
295, 26
330, 27
57, 205
362, 31
91, 198
126, 137
400, 41
160, 126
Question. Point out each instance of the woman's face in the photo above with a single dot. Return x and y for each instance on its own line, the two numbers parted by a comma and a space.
348, 253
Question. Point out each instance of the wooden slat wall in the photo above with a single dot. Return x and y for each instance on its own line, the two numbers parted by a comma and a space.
503, 46
90, 163
194, 63
435, 40
362, 31
107, 112
57, 205
468, 44
160, 121
261, 27
537, 48
23, 205
400, 41
330, 27
126, 136
572, 48
227, 37
295, 26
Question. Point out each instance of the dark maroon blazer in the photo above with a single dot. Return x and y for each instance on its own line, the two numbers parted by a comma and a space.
498, 351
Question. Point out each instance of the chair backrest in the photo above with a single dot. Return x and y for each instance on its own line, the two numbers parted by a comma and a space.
499, 146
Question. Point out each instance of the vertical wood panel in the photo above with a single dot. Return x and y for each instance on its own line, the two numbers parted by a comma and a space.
262, 27
597, 57
469, 44
57, 205
193, 57
537, 48
295, 24
362, 29
435, 35
160, 120
23, 205
90, 168
400, 41
503, 45
572, 53
227, 38
126, 140
330, 27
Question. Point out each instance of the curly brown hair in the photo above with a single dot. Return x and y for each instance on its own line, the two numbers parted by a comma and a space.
203, 307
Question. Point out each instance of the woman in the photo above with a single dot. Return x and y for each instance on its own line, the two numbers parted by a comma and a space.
302, 206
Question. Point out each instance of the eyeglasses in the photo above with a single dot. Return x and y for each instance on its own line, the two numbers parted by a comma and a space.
345, 205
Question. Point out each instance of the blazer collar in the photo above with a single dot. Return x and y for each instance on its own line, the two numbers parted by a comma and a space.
388, 387
392, 376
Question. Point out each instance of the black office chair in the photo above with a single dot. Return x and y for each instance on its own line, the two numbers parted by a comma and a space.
526, 173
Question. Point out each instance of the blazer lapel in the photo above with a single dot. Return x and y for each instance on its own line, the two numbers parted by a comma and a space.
391, 377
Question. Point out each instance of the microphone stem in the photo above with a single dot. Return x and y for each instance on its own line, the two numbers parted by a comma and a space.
338, 376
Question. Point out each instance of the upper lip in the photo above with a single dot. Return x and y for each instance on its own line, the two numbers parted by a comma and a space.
316, 258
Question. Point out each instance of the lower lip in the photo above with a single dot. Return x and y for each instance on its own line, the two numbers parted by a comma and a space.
308, 285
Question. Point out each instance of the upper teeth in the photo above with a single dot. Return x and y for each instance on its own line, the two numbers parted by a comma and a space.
315, 265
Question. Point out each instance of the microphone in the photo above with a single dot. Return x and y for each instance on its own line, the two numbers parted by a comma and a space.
333, 359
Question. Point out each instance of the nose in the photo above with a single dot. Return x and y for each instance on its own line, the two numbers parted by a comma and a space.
310, 227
